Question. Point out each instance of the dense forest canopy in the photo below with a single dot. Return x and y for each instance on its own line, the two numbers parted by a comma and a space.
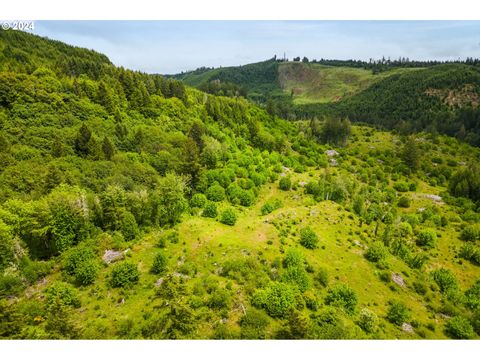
134, 206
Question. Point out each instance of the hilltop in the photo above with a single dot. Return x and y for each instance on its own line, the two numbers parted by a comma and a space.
133, 206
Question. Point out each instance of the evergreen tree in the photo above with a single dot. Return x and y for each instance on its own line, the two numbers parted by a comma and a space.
107, 148
82, 140
411, 154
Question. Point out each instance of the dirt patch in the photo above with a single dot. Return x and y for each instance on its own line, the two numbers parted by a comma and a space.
398, 279
457, 97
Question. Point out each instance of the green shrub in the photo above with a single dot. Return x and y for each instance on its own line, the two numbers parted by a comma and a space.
159, 265
397, 313
219, 299
61, 294
81, 263
404, 202
270, 206
86, 272
445, 279
368, 320
278, 299
427, 238
124, 274
343, 296
285, 183
228, 217
246, 197
459, 328
10, 284
6, 246
322, 277
215, 193
308, 238
198, 200
293, 258
376, 252
470, 233
128, 226
253, 324
472, 296
210, 210
297, 276
401, 186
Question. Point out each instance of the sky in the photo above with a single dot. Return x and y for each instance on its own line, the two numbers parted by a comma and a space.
168, 47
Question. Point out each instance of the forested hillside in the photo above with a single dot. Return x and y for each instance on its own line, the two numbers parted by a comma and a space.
409, 96
135, 207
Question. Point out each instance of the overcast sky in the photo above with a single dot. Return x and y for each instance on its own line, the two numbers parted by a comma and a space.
168, 47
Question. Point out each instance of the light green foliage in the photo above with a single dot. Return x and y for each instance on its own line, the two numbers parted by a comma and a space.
397, 313
215, 193
228, 217
376, 252
124, 274
129, 227
308, 238
343, 296
6, 246
270, 206
297, 276
198, 200
293, 258
170, 197
368, 320
278, 299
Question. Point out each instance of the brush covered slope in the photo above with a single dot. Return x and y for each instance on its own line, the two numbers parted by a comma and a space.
132, 207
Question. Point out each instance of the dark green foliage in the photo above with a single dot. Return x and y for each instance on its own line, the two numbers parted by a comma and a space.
108, 148
401, 186
459, 328
308, 238
404, 202
160, 263
61, 294
278, 299
335, 131
411, 154
10, 284
427, 238
228, 217
285, 183
472, 296
210, 210
470, 233
466, 182
124, 274
322, 277
343, 296
445, 279
253, 324
397, 313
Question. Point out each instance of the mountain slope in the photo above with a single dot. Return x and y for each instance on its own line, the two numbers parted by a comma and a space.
133, 207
